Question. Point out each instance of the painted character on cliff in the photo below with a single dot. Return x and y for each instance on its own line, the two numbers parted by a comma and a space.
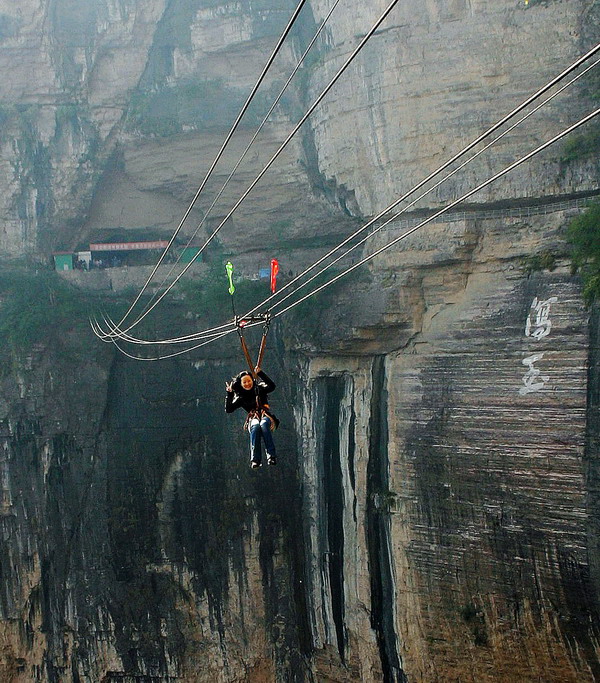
244, 391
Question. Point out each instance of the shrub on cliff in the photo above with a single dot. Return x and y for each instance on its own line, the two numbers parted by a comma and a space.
193, 104
583, 236
32, 305
586, 145
542, 260
582, 147
208, 298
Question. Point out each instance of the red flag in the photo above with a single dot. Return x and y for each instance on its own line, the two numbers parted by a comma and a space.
274, 271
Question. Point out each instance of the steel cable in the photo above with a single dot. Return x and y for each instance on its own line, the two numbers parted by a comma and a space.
424, 194
245, 152
234, 127
327, 88
493, 128
539, 149
447, 208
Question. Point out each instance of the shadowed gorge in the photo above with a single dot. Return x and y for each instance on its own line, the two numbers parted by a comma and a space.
333, 493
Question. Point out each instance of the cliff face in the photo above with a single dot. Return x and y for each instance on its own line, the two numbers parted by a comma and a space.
434, 514
112, 113
466, 490
137, 542
432, 79
63, 93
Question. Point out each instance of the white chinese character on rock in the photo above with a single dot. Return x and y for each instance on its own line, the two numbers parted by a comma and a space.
532, 377
539, 317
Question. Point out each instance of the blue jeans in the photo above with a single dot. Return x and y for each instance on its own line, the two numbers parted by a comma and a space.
257, 430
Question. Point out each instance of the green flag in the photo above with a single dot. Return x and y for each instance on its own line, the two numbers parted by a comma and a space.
229, 269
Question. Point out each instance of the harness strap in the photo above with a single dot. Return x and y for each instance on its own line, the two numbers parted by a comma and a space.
258, 413
263, 344
247, 354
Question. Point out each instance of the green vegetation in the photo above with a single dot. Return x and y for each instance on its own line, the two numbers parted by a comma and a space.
583, 146
67, 114
153, 114
209, 299
25, 116
206, 104
583, 236
543, 260
36, 305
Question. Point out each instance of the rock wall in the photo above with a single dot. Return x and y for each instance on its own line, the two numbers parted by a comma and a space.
131, 106
112, 113
136, 542
434, 77
467, 507
434, 515
64, 92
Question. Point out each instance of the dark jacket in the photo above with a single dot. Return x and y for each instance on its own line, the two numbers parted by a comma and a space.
246, 399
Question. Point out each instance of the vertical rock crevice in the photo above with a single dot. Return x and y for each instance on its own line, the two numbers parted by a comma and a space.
334, 506
379, 531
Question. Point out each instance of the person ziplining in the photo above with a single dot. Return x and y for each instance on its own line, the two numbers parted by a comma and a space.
250, 393
249, 388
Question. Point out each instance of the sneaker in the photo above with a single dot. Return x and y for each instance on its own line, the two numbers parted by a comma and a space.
271, 460
254, 465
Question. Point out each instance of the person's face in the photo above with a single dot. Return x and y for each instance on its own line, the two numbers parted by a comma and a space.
247, 382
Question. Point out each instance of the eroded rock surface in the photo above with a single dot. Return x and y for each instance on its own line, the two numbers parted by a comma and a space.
434, 516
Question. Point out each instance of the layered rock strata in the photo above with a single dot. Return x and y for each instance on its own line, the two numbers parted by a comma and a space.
462, 468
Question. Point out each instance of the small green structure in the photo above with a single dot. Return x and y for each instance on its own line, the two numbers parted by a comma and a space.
63, 260
189, 253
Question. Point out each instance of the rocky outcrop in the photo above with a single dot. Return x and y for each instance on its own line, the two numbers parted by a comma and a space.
433, 78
